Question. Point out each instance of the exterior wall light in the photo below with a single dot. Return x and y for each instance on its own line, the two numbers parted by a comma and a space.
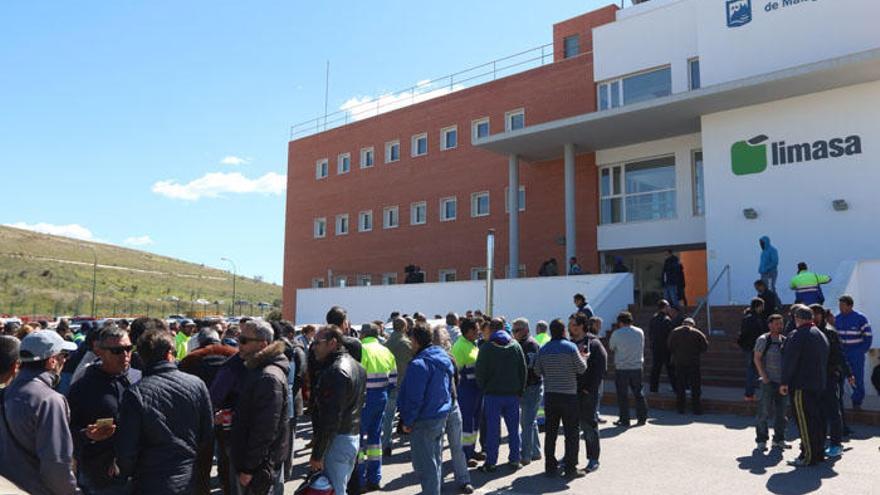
750, 213
840, 205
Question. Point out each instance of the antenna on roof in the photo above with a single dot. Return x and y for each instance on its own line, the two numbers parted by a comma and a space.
326, 92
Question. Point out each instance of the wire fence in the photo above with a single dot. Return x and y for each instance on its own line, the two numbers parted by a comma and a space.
357, 109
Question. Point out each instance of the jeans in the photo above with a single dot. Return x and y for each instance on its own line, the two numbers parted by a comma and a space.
831, 411
456, 450
562, 407
388, 418
751, 373
116, 486
529, 403
771, 402
626, 380
857, 363
426, 444
769, 279
688, 377
495, 408
599, 395
670, 292
588, 424
339, 461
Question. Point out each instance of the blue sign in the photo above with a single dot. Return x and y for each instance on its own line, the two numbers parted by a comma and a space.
739, 12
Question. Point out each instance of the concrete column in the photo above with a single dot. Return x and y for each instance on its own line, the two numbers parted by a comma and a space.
513, 215
570, 235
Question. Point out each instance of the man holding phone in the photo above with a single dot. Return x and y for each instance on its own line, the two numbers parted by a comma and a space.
94, 407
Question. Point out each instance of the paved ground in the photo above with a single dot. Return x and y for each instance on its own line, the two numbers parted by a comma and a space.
671, 455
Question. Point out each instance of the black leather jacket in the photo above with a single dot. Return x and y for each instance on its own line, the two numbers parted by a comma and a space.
339, 398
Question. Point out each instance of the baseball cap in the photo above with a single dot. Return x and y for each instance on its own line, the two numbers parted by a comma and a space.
187, 322
43, 344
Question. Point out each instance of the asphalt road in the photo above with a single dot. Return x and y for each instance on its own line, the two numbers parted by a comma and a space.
671, 454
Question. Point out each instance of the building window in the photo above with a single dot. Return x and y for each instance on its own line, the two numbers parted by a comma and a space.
390, 217
367, 157
637, 191
699, 200
521, 272
340, 281
389, 279
365, 221
521, 200
365, 280
449, 138
479, 129
515, 119
322, 168
317, 283
320, 228
480, 204
392, 151
342, 224
418, 213
694, 73
343, 163
448, 209
447, 275
478, 273
420, 144
571, 46
635, 88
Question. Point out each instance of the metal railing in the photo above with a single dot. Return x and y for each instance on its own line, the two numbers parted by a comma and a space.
705, 300
426, 90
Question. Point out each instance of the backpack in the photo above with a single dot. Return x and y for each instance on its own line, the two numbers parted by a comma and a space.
315, 484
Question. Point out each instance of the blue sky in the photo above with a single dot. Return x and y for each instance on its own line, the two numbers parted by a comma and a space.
127, 121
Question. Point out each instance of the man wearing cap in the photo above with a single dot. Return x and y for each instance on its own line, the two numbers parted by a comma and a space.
36, 448
187, 329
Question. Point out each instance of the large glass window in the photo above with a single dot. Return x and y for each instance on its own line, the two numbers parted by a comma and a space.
699, 194
448, 209
694, 73
480, 204
515, 119
480, 129
571, 46
636, 88
637, 191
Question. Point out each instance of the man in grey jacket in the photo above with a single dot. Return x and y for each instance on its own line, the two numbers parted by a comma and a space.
36, 448
628, 345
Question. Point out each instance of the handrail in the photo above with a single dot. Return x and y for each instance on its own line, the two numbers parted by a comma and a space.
705, 300
425, 90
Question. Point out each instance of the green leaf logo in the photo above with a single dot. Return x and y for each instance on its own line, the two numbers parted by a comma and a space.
749, 157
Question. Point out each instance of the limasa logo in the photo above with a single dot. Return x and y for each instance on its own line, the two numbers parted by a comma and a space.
739, 12
750, 157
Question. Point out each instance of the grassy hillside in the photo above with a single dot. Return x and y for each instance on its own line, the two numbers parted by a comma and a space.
50, 275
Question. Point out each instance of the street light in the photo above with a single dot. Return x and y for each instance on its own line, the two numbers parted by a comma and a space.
94, 280
234, 273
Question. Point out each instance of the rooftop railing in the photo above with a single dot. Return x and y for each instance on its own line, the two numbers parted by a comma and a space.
356, 109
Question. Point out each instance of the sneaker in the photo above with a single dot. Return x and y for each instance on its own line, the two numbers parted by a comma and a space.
573, 474
642, 422
487, 468
798, 463
592, 465
480, 456
781, 445
371, 487
762, 446
622, 424
524, 462
466, 488
601, 420
537, 457
472, 463
514, 466
834, 451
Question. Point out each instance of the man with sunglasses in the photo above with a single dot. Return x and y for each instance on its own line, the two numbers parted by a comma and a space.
95, 399
36, 449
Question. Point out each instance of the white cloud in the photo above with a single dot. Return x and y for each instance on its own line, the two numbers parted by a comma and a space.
73, 230
215, 184
363, 107
234, 160
143, 240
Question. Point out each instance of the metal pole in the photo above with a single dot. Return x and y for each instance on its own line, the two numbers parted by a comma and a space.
234, 273
570, 212
513, 216
326, 92
490, 267
729, 294
94, 281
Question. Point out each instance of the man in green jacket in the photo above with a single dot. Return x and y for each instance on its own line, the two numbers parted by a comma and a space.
501, 374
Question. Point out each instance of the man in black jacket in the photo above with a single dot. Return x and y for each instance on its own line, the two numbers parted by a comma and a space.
164, 421
804, 374
770, 298
97, 396
588, 384
753, 325
659, 329
838, 369
259, 430
339, 394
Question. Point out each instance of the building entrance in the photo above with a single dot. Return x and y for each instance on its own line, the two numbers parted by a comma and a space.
647, 269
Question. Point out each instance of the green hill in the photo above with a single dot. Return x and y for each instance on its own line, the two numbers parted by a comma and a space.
50, 275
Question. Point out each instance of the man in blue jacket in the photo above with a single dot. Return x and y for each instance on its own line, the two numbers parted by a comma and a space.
804, 374
769, 263
856, 337
424, 401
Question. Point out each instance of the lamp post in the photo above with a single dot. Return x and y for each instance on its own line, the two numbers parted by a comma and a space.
234, 273
94, 281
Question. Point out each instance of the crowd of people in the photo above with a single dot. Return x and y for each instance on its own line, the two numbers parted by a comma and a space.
151, 407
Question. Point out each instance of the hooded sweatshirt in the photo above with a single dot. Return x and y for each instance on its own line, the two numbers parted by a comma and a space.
501, 366
769, 257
